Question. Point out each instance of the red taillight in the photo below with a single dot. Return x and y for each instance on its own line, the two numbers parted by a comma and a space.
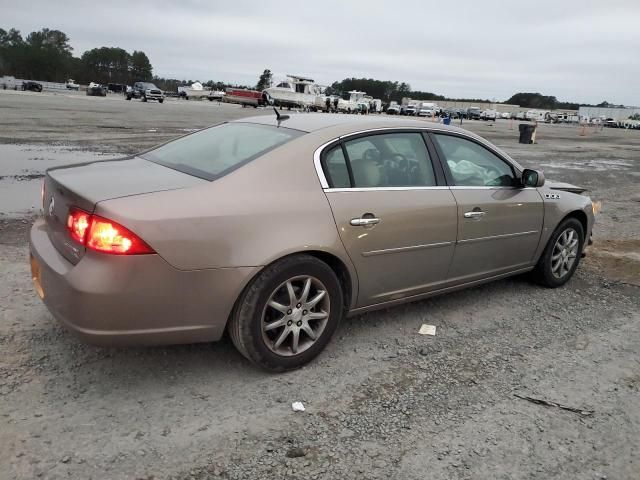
103, 235
78, 223
109, 237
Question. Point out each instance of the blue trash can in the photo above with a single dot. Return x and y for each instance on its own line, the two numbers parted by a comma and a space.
446, 120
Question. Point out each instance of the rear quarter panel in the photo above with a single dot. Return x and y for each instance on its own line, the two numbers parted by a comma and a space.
267, 209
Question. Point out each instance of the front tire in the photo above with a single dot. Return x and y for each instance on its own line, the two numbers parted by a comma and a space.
561, 256
161, 100
288, 313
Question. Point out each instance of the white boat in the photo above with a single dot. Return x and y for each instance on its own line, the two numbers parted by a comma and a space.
195, 90
216, 95
357, 101
295, 92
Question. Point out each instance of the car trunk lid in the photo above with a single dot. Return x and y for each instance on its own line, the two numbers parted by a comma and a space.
83, 186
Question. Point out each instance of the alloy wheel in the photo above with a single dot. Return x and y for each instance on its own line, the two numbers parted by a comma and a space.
565, 252
295, 315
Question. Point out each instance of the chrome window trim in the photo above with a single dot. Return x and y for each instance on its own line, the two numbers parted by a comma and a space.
405, 249
381, 189
317, 156
487, 187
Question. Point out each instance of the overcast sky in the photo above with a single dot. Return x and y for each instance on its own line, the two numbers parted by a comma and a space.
585, 51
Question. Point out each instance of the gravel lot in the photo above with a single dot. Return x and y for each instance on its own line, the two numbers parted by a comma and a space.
382, 401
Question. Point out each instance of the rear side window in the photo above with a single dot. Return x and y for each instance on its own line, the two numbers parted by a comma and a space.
216, 151
336, 168
390, 160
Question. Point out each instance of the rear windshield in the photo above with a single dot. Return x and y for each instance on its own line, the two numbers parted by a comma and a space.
216, 151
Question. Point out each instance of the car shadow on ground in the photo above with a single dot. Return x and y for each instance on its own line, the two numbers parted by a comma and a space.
137, 367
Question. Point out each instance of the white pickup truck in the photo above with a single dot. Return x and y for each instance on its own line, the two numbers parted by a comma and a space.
489, 115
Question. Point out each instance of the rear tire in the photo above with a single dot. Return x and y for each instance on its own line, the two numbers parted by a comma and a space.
256, 326
144, 98
561, 256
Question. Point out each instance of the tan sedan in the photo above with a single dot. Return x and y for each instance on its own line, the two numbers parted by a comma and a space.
275, 229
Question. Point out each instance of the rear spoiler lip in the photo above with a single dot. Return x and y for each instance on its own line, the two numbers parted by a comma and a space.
84, 164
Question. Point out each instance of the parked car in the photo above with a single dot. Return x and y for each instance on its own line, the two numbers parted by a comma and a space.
426, 112
489, 115
72, 85
275, 228
31, 86
505, 115
451, 112
145, 91
473, 113
96, 90
393, 109
410, 110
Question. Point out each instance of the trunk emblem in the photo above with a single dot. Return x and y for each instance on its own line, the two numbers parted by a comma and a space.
52, 204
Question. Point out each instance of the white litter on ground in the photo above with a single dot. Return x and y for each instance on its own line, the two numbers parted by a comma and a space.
297, 407
427, 329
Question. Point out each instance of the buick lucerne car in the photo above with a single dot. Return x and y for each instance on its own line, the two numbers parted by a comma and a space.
276, 228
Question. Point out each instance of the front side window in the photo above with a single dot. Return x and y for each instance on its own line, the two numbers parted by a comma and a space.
472, 165
390, 160
216, 151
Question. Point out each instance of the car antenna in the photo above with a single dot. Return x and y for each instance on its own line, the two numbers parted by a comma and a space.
279, 116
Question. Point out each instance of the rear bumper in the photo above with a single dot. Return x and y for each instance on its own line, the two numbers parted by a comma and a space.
134, 300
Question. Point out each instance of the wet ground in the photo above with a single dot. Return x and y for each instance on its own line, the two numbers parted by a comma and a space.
382, 401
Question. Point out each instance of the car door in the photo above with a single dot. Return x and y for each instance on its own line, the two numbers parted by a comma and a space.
499, 221
395, 216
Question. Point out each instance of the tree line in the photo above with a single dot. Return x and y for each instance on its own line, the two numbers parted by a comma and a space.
547, 102
46, 55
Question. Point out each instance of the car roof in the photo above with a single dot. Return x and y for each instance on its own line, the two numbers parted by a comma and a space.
335, 125
344, 123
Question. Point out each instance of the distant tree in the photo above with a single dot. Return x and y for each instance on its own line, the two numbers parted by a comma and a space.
106, 64
604, 104
11, 38
265, 80
534, 100
140, 67
47, 55
11, 51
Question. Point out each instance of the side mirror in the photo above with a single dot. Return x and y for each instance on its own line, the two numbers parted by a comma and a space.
532, 178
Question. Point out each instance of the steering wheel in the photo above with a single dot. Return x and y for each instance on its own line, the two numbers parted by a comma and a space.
399, 161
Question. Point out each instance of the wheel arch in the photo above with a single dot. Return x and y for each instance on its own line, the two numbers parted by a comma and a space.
345, 276
581, 217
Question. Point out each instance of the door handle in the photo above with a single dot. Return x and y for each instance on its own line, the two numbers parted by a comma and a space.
364, 222
474, 214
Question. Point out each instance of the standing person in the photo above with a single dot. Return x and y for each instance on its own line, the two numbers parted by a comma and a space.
328, 104
335, 104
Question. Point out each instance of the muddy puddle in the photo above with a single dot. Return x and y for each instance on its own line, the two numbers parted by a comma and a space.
590, 165
617, 259
22, 168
